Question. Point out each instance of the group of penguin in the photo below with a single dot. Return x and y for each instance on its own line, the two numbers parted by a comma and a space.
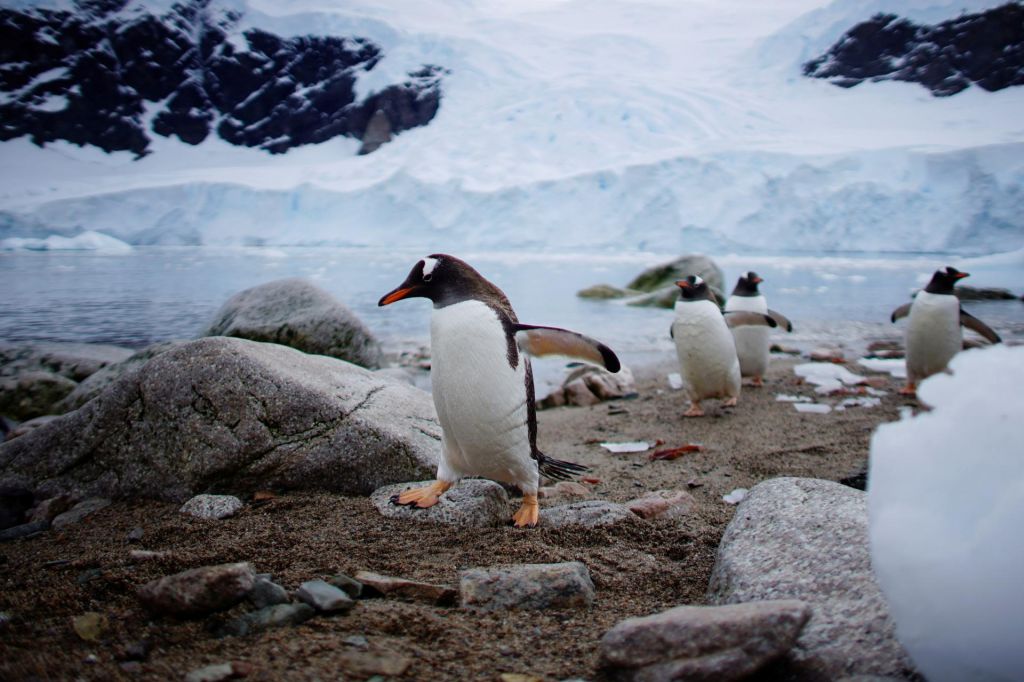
483, 384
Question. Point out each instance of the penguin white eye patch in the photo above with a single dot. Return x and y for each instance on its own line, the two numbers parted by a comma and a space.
428, 266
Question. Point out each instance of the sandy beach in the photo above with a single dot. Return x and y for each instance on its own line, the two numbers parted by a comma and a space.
638, 566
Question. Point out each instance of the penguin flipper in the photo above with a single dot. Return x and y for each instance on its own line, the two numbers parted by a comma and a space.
781, 320
557, 469
902, 311
541, 341
742, 318
973, 323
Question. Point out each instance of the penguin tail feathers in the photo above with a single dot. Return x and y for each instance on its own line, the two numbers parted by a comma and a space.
557, 469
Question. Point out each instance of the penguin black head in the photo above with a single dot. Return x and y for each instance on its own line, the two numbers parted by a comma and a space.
445, 280
943, 281
746, 285
694, 288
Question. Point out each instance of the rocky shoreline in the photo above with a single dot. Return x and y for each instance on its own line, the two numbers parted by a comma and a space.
220, 509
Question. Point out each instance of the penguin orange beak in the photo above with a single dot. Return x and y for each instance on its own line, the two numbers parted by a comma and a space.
397, 295
758, 280
682, 284
961, 275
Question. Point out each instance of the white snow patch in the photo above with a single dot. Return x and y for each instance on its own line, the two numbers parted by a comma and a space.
86, 241
813, 408
897, 367
623, 448
858, 401
946, 507
675, 381
827, 376
736, 496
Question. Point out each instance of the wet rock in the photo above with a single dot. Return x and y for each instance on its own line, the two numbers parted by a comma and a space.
527, 586
350, 586
969, 293
588, 513
667, 274
266, 592
15, 503
388, 586
198, 591
806, 539
233, 414
90, 626
663, 504
324, 597
212, 507
33, 394
296, 313
703, 642
23, 530
280, 615
75, 361
79, 512
665, 297
475, 503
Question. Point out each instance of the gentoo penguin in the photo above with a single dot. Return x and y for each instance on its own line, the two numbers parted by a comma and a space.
483, 383
707, 354
933, 334
752, 340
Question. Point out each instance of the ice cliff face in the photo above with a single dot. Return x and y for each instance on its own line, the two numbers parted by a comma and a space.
111, 74
984, 48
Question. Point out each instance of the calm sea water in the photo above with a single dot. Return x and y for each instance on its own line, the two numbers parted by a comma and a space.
154, 294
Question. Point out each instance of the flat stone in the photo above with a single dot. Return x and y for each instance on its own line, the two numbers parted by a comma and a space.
212, 506
703, 642
474, 503
588, 513
806, 539
23, 530
663, 504
198, 591
402, 588
324, 597
91, 626
80, 511
351, 586
280, 615
527, 587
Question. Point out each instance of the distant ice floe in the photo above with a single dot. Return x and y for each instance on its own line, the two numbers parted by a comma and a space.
86, 241
945, 508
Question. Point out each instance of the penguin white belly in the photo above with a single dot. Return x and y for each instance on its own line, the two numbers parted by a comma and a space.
707, 354
752, 341
933, 334
480, 399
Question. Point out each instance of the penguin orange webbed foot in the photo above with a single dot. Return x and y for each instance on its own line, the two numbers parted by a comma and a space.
757, 382
694, 411
528, 514
731, 402
910, 390
424, 497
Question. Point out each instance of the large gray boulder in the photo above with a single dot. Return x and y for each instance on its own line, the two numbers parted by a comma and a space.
93, 385
295, 313
806, 539
221, 414
659, 281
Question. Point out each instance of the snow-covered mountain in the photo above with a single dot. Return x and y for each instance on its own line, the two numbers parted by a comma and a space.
582, 124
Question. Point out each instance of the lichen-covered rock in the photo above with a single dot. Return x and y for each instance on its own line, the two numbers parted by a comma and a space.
472, 502
527, 586
93, 385
295, 313
604, 292
703, 642
389, 586
198, 591
806, 539
212, 506
666, 274
230, 414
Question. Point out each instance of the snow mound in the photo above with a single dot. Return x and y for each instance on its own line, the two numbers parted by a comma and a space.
826, 376
946, 505
86, 241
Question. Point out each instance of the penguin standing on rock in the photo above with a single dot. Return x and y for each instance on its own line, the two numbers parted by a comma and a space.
483, 384
752, 343
707, 353
933, 334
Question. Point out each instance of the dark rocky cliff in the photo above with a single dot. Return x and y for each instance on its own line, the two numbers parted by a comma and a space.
985, 49
111, 75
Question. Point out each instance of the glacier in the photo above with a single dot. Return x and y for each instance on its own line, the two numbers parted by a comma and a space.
605, 126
